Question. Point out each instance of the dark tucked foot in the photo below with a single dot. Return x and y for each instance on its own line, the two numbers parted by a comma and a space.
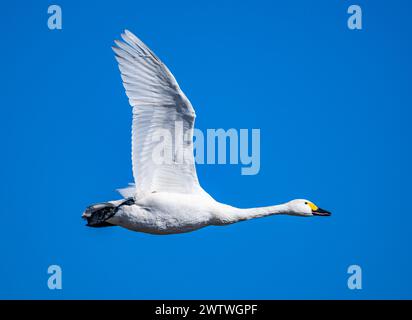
97, 214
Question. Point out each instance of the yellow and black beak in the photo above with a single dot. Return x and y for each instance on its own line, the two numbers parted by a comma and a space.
320, 212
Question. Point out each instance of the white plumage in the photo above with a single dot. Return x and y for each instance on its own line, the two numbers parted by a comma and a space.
166, 196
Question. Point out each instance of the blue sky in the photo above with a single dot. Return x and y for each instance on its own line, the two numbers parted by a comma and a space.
333, 107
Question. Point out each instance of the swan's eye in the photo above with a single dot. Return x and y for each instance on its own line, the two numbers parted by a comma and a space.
306, 203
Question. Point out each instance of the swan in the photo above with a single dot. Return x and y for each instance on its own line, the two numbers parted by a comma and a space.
166, 197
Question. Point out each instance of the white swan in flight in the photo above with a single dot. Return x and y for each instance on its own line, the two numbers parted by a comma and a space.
167, 197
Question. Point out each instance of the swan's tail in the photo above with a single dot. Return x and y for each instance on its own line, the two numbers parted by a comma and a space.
128, 192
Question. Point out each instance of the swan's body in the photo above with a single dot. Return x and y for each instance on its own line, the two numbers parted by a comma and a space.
167, 197
165, 213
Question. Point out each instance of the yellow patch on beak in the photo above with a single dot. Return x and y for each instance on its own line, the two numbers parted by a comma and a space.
312, 206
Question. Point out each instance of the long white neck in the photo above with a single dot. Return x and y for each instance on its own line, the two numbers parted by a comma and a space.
232, 215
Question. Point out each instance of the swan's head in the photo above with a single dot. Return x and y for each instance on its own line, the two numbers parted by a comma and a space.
302, 207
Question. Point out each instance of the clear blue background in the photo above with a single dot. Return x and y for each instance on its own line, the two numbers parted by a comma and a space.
333, 106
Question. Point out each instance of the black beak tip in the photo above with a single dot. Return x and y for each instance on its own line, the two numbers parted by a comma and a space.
322, 212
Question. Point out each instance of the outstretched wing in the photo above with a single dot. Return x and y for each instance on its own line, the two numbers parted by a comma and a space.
163, 120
